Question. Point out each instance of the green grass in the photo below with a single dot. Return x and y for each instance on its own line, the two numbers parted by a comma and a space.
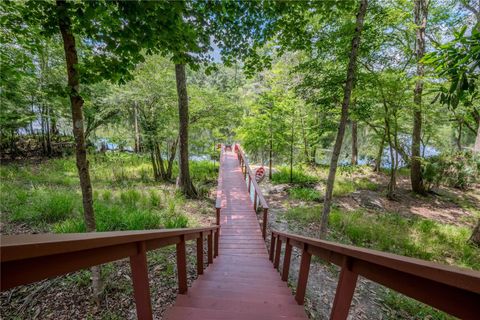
408, 308
306, 194
46, 195
298, 175
391, 232
342, 187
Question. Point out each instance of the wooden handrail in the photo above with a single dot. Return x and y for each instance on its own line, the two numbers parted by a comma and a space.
261, 198
34, 257
218, 200
450, 289
245, 166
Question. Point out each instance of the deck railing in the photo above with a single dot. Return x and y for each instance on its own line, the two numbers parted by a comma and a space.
218, 200
450, 289
29, 258
258, 198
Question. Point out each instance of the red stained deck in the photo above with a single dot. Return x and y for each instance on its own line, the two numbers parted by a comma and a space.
241, 283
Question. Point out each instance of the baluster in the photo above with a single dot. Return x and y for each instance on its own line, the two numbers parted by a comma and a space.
286, 260
200, 254
303, 275
249, 183
255, 201
141, 288
215, 253
210, 246
272, 247
347, 282
264, 225
278, 251
182, 266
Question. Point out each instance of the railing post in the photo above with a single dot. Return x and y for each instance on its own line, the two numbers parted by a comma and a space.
303, 275
218, 216
182, 266
200, 254
278, 252
216, 237
210, 246
272, 247
264, 225
255, 201
141, 288
286, 260
249, 183
347, 282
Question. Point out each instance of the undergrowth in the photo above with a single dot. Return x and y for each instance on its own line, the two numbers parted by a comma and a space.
46, 196
391, 232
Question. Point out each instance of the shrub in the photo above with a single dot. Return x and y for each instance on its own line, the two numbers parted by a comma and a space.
39, 206
130, 197
459, 170
175, 221
113, 218
307, 194
299, 177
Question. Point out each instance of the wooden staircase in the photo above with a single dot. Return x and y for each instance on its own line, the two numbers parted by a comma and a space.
241, 283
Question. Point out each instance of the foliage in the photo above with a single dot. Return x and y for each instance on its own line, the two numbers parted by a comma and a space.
282, 175
307, 194
46, 197
460, 170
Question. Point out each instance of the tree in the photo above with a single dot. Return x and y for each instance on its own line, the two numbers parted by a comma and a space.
184, 181
459, 61
344, 115
420, 17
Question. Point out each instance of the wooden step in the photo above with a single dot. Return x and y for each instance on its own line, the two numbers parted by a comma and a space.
283, 310
184, 313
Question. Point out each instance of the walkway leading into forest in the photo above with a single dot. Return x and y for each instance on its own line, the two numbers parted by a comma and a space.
241, 283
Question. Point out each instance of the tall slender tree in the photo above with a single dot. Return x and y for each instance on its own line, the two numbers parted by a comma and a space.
362, 10
184, 181
420, 18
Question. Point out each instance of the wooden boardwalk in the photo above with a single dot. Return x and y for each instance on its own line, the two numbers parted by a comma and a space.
241, 283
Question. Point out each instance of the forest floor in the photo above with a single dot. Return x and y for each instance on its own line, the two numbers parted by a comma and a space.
41, 196
435, 227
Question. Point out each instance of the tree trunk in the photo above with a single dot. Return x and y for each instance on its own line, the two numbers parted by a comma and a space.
270, 156
33, 112
475, 237
47, 129
354, 143
42, 125
420, 16
76, 101
136, 128
476, 147
393, 175
160, 162
291, 148
459, 137
173, 152
185, 183
344, 116
305, 139
378, 160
